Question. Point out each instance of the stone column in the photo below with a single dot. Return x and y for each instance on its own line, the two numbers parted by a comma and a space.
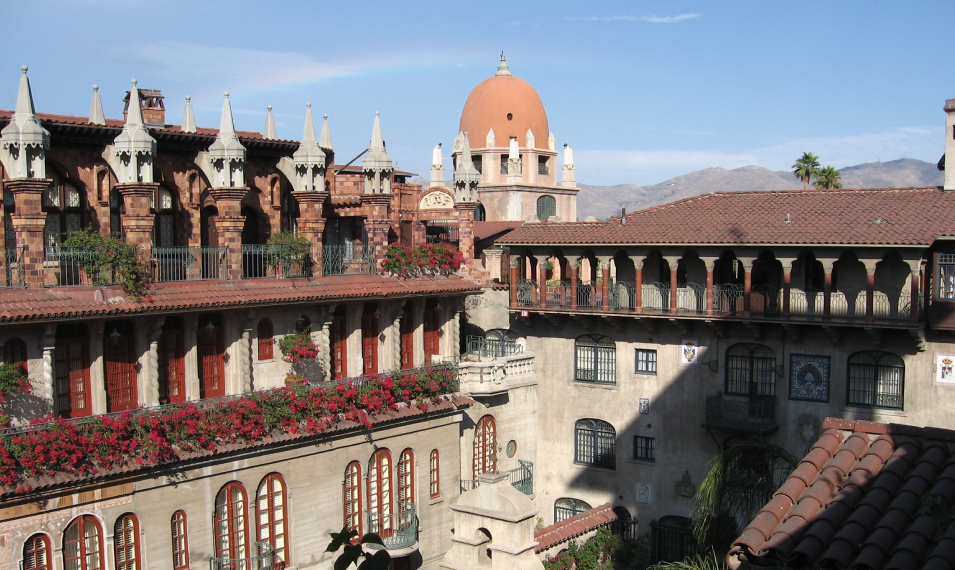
48, 380
396, 339
456, 333
138, 219
573, 267
311, 224
674, 263
869, 289
245, 357
710, 269
151, 365
638, 283
827, 288
325, 344
604, 282
915, 286
28, 223
229, 224
747, 285
466, 212
542, 280
789, 263
515, 262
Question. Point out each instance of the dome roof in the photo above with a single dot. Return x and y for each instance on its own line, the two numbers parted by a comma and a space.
508, 105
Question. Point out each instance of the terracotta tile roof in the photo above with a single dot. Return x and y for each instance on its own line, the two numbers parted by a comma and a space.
71, 302
867, 496
884, 216
551, 536
485, 230
443, 405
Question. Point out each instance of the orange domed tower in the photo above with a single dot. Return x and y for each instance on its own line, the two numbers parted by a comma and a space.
512, 153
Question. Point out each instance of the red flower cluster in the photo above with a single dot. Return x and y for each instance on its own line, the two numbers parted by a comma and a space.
94, 445
297, 347
427, 259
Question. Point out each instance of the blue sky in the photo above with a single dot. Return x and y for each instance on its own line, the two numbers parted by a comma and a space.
643, 91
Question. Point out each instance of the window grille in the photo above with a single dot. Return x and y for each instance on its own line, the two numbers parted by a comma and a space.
566, 508
750, 370
876, 379
595, 360
595, 444
946, 276
546, 207
644, 448
646, 361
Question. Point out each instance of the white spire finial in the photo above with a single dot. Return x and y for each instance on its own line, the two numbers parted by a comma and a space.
135, 147
227, 152
308, 137
269, 131
466, 175
377, 165
188, 117
503, 69
25, 134
309, 159
96, 109
325, 139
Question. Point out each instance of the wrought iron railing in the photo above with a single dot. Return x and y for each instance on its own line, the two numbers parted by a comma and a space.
588, 295
623, 295
189, 263
72, 266
543, 170
754, 414
265, 560
766, 299
348, 259
672, 539
492, 347
521, 478
526, 291
274, 260
691, 297
12, 275
728, 298
397, 530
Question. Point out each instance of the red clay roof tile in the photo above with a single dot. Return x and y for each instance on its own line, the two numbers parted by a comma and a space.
551, 536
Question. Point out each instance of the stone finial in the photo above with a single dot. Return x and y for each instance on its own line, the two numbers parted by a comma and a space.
569, 179
135, 147
436, 155
25, 137
188, 117
325, 138
269, 131
377, 165
490, 140
513, 161
466, 176
568, 155
529, 140
437, 166
96, 109
551, 142
227, 152
503, 69
309, 159
458, 143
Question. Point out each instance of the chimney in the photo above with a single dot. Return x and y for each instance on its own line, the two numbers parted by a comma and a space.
949, 144
154, 111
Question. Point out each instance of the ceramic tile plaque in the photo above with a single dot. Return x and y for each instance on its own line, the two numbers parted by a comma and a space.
809, 377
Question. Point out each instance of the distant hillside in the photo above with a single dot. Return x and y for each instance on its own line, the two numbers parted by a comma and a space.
602, 202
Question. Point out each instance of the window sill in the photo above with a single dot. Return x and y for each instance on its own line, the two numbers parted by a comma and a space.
636, 461
874, 410
600, 385
435, 500
592, 466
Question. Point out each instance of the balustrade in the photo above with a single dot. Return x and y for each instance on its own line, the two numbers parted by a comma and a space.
348, 259
73, 266
188, 263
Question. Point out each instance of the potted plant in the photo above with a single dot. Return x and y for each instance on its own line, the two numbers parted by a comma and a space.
299, 350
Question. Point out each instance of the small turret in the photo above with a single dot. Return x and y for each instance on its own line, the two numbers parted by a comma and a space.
24, 138
377, 165
134, 147
227, 153
309, 159
466, 176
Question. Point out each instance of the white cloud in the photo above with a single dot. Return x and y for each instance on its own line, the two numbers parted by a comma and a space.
649, 19
654, 166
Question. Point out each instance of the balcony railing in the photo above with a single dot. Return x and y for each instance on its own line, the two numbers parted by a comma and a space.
483, 347
727, 300
72, 266
521, 478
755, 414
189, 263
348, 259
273, 260
265, 560
11, 275
543, 170
498, 375
397, 530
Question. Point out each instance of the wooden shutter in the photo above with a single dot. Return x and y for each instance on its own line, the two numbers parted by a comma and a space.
120, 362
72, 372
339, 339
172, 363
211, 358
407, 339
369, 343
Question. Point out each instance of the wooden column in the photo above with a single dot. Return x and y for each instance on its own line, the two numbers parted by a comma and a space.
604, 283
710, 268
637, 284
28, 223
573, 266
542, 281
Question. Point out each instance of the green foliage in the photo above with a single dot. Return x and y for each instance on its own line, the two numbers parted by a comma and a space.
603, 551
295, 249
12, 379
828, 178
107, 257
806, 168
740, 481
709, 561
352, 552
632, 554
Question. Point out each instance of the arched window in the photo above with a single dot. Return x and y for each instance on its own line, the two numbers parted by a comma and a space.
119, 356
37, 553
480, 214
485, 447
116, 209
434, 470
270, 519
63, 204
566, 508
406, 476
265, 340
211, 352
83, 544
595, 443
546, 207
172, 362
369, 339
379, 493
126, 543
164, 228
72, 371
595, 359
180, 541
499, 343
876, 379
750, 369
15, 352
352, 497
230, 522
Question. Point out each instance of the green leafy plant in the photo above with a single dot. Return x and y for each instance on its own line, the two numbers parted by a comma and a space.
352, 551
104, 258
294, 249
708, 561
602, 551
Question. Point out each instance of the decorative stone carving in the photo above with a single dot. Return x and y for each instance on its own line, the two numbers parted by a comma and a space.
807, 426
685, 487
436, 200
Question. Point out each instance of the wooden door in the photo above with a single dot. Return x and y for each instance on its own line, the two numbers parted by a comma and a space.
119, 354
172, 362
432, 324
339, 340
407, 339
73, 377
369, 343
211, 353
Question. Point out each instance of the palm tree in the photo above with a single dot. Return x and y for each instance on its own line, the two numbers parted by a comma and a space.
806, 168
740, 481
828, 178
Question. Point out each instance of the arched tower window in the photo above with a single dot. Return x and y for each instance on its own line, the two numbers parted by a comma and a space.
164, 230
546, 207
406, 476
484, 447
180, 541
434, 468
379, 493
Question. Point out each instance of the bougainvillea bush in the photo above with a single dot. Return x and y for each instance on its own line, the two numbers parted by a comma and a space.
164, 435
427, 259
298, 347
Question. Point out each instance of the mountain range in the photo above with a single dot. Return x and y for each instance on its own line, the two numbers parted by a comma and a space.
601, 202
